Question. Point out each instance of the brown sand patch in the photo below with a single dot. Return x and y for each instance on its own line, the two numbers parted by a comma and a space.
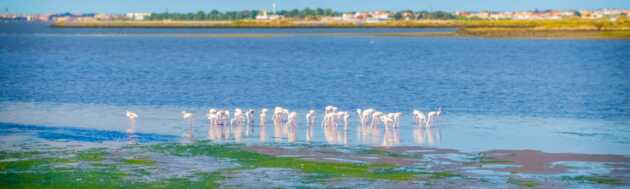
533, 161
425, 150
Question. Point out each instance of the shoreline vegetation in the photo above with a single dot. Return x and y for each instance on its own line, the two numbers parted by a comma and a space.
563, 29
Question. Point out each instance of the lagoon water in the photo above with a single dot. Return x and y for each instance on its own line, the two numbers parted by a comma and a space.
550, 95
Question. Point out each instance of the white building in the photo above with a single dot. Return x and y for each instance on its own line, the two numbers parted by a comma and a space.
265, 16
137, 15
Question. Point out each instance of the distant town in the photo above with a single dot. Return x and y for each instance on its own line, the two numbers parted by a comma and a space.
326, 15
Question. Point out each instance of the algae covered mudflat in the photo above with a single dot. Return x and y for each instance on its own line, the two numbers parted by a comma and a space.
29, 161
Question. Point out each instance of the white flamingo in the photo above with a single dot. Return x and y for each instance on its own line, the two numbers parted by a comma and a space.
359, 111
376, 117
345, 118
131, 115
249, 116
279, 116
132, 119
291, 119
310, 118
212, 116
188, 117
237, 120
366, 115
329, 116
262, 117
397, 119
387, 120
419, 118
432, 116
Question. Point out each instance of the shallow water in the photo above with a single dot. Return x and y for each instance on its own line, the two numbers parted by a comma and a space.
550, 95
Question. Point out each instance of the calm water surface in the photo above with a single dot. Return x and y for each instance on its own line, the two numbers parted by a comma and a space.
551, 95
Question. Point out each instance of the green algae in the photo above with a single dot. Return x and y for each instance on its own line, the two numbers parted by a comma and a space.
44, 172
26, 164
483, 159
594, 179
385, 153
523, 183
254, 160
443, 174
140, 161
94, 154
201, 180
97, 177
18, 154
102, 179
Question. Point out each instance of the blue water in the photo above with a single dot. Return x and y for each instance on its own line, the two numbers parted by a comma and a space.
476, 81
75, 134
578, 78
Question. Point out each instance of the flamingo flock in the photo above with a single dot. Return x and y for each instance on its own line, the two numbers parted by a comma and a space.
285, 122
426, 121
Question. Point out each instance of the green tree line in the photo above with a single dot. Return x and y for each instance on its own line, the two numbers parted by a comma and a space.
306, 13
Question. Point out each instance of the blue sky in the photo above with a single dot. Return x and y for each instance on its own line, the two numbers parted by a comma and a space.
121, 6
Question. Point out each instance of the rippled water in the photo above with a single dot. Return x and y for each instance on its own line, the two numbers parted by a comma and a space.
552, 95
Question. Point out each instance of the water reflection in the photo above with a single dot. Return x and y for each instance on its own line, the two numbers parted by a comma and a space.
285, 129
309, 133
426, 136
188, 136
262, 136
369, 135
391, 136
336, 135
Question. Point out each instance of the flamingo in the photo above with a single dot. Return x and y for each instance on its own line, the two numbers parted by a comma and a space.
387, 120
131, 115
359, 111
419, 118
212, 116
345, 117
279, 115
132, 118
188, 116
249, 116
376, 116
238, 117
432, 116
397, 119
329, 116
291, 119
329, 119
310, 118
263, 114
365, 116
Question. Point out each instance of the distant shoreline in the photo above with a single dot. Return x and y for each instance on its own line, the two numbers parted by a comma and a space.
290, 24
561, 29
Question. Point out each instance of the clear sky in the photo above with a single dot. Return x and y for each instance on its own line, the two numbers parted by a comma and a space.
121, 6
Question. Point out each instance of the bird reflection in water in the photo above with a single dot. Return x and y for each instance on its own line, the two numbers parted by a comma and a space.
369, 135
391, 136
336, 134
132, 137
426, 136
188, 134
